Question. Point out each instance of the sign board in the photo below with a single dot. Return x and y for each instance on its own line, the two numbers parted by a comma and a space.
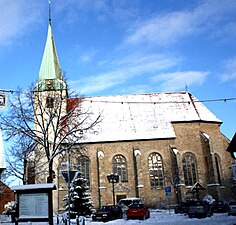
3, 99
168, 189
73, 175
168, 192
168, 195
34, 205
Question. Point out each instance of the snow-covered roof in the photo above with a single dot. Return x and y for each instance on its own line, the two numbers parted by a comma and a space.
34, 186
142, 116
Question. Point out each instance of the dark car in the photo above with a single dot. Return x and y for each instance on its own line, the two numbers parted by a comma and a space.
137, 211
199, 210
182, 207
232, 208
106, 213
220, 207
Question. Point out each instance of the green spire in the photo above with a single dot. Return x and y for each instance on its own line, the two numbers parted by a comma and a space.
50, 74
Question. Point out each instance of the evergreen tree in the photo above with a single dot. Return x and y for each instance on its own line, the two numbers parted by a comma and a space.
80, 198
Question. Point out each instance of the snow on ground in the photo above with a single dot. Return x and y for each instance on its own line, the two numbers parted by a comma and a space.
157, 217
164, 217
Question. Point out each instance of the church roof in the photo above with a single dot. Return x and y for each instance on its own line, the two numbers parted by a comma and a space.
142, 116
50, 69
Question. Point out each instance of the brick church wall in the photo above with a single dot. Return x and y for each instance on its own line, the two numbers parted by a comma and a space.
188, 139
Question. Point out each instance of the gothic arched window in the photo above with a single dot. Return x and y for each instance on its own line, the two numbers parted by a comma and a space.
120, 167
83, 166
156, 171
189, 169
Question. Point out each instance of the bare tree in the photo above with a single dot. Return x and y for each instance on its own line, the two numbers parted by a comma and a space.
20, 160
53, 122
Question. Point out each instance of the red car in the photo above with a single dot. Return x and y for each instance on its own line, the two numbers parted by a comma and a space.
137, 211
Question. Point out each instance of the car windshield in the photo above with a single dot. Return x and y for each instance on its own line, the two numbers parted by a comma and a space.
193, 203
232, 203
137, 206
126, 202
130, 201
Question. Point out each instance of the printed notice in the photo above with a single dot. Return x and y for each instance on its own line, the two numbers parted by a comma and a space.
33, 205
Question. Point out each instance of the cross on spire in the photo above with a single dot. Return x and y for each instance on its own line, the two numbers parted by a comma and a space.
49, 12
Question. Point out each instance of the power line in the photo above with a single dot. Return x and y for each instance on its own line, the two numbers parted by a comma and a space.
4, 90
163, 102
144, 102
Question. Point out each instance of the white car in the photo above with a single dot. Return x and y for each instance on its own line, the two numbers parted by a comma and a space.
124, 203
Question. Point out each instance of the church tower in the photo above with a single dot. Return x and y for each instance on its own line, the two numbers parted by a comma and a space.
50, 103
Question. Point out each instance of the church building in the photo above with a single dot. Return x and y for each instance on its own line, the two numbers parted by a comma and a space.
155, 142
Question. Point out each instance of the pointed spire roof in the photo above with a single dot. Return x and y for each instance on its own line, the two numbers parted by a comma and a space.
50, 73
2, 155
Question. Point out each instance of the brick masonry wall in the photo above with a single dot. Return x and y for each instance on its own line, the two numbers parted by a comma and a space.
188, 139
6, 195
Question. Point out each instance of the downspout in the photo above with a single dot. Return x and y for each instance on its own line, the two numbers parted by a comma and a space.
98, 177
135, 175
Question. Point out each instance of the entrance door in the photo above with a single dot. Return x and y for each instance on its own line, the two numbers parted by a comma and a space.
118, 197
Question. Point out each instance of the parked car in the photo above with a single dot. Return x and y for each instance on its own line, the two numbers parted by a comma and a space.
107, 213
124, 203
137, 211
220, 207
232, 208
182, 207
199, 210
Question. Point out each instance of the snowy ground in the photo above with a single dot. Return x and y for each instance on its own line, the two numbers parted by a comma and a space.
161, 217
164, 217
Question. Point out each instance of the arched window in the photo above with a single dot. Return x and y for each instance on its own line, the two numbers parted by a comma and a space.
218, 167
84, 167
189, 169
156, 172
120, 167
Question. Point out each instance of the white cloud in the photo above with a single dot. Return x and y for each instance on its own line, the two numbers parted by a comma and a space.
16, 18
230, 70
162, 30
166, 29
122, 70
178, 80
87, 56
135, 89
93, 84
100, 10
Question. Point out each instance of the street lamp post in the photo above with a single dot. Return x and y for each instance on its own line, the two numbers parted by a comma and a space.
113, 178
68, 184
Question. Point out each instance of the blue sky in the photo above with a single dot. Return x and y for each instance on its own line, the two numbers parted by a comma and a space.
109, 47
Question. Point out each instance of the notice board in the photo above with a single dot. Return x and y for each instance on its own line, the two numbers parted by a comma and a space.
34, 203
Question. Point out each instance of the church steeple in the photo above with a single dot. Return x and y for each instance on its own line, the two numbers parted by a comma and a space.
50, 73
